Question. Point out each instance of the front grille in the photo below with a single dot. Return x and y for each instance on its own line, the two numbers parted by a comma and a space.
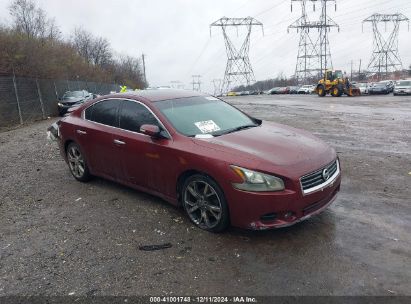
316, 178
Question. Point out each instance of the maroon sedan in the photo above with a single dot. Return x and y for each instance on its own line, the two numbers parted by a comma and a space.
222, 165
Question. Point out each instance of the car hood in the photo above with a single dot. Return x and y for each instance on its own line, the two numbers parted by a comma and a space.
278, 148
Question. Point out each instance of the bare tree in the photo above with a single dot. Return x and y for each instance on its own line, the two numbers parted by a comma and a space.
82, 43
100, 53
32, 21
95, 50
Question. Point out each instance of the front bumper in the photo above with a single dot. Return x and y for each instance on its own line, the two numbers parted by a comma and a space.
372, 92
260, 211
402, 92
63, 108
53, 133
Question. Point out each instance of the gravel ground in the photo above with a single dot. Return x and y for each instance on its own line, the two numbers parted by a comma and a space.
61, 237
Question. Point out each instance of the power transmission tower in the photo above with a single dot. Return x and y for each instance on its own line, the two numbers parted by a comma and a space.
314, 55
217, 86
196, 83
385, 57
238, 70
177, 84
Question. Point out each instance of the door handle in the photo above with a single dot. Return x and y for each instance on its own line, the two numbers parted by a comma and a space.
119, 142
81, 132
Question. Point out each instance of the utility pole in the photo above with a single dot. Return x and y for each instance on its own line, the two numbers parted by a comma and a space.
351, 68
385, 53
359, 70
144, 68
196, 82
238, 69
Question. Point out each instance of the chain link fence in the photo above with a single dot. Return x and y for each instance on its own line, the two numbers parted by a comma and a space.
24, 100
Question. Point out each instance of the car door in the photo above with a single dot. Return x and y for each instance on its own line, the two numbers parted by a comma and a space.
96, 136
144, 159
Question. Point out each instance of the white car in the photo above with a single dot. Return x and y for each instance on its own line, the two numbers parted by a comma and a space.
402, 87
363, 86
306, 89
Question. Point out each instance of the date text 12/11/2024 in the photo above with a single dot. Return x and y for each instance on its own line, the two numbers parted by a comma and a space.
199, 299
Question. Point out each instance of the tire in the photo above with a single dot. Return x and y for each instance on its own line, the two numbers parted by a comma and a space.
205, 204
77, 164
321, 90
336, 91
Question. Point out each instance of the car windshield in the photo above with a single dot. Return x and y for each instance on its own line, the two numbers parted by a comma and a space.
381, 84
204, 115
404, 83
362, 84
73, 94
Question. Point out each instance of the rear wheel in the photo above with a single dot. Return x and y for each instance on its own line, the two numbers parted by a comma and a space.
204, 203
77, 164
321, 90
336, 91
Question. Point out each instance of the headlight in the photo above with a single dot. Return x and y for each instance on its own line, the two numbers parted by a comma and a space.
256, 181
60, 104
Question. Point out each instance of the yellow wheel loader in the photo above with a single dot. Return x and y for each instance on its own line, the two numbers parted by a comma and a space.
335, 84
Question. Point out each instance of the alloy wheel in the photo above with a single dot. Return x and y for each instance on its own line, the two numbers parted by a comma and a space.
76, 161
202, 203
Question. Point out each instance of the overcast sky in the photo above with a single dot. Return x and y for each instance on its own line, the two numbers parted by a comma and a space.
175, 36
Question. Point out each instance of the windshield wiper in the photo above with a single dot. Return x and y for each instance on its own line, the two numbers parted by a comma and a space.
235, 129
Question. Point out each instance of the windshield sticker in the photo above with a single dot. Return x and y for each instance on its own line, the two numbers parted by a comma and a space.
211, 98
207, 126
204, 136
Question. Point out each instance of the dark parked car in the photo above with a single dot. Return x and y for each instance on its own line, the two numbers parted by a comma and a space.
256, 92
382, 87
71, 99
222, 165
273, 91
293, 90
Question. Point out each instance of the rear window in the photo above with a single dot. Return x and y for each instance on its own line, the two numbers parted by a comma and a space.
104, 112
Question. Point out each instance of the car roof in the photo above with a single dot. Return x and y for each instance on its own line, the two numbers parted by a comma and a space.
163, 94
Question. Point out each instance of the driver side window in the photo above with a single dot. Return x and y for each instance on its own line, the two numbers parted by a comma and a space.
133, 115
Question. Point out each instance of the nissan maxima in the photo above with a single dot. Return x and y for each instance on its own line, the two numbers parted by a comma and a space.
196, 151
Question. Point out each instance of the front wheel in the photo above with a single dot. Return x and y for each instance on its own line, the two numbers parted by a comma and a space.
336, 91
77, 164
204, 202
321, 90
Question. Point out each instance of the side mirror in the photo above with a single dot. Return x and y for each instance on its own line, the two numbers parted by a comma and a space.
151, 130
